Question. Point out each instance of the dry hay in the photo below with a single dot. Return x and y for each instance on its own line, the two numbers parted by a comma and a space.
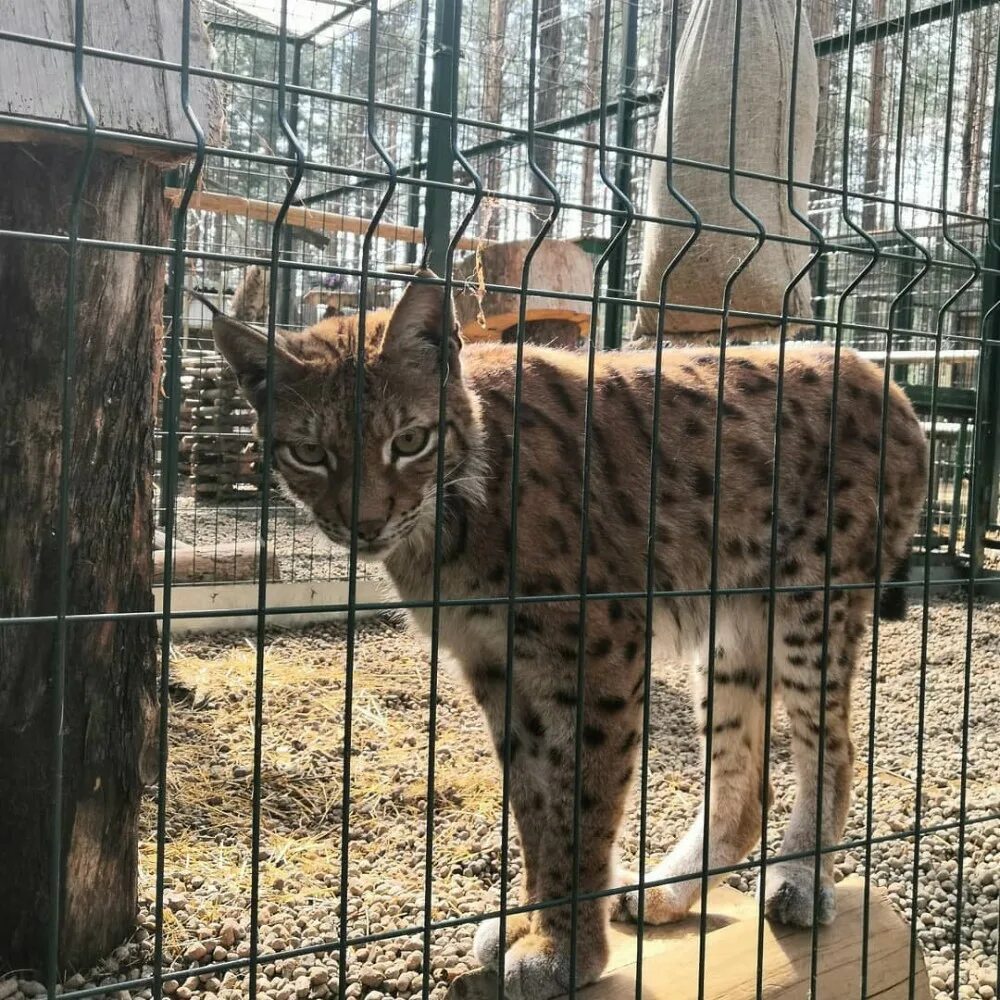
210, 783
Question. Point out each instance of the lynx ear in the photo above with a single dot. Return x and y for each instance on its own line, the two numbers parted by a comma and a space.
245, 348
415, 328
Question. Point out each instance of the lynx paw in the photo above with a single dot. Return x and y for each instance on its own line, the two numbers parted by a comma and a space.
663, 903
790, 899
486, 944
535, 969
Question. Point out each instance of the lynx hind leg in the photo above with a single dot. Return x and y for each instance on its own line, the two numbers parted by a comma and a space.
789, 886
737, 793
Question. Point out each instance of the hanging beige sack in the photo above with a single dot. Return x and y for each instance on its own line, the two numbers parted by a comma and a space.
765, 105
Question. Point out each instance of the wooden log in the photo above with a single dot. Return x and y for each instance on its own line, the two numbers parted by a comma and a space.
107, 713
670, 968
324, 222
228, 563
36, 81
557, 267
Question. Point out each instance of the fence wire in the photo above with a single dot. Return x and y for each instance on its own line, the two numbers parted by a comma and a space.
354, 133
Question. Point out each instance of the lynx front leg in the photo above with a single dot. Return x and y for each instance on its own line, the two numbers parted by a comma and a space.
538, 965
738, 796
537, 961
525, 795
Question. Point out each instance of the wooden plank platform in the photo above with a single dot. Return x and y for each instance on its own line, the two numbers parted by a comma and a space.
670, 956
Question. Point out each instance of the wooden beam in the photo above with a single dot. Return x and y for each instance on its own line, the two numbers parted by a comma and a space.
310, 218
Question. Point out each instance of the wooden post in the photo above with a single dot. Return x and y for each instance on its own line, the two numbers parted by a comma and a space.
670, 967
114, 313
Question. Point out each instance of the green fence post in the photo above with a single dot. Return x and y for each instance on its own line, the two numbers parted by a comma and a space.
413, 196
961, 447
440, 156
625, 140
985, 454
904, 314
284, 276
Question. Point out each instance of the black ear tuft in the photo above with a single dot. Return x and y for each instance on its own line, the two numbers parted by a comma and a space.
245, 348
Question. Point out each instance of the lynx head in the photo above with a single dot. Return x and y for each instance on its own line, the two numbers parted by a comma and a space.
314, 418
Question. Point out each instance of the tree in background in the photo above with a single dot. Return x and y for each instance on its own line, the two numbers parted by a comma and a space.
550, 54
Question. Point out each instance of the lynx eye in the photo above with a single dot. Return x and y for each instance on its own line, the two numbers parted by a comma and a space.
307, 454
411, 441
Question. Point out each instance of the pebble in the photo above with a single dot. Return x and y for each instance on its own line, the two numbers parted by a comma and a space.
32, 988
230, 933
369, 976
195, 952
174, 901
318, 976
8, 987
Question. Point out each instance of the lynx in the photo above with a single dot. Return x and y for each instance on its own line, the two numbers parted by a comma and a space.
313, 420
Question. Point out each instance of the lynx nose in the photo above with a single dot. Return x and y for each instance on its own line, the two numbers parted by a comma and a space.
369, 530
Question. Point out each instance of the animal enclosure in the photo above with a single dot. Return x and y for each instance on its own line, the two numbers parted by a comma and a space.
318, 810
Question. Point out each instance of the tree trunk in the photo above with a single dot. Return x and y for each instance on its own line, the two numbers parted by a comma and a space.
821, 24
975, 111
546, 102
871, 213
595, 22
494, 63
109, 665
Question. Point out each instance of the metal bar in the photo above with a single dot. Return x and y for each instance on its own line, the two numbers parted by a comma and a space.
452, 22
903, 316
832, 44
333, 19
620, 202
440, 159
904, 359
413, 195
56, 887
514, 508
986, 453
357, 451
287, 238
469, 602
240, 29
956, 488
267, 434
169, 485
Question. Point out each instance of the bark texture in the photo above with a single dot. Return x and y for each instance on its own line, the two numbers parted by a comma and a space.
109, 664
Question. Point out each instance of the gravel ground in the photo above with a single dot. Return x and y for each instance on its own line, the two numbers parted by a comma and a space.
209, 808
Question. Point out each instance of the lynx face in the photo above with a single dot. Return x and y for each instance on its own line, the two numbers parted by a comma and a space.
316, 374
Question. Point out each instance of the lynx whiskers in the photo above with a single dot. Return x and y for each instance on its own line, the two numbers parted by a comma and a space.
313, 424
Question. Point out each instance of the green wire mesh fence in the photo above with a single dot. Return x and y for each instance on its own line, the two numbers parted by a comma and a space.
946, 91
315, 813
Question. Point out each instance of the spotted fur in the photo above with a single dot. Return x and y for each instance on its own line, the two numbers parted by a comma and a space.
314, 394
